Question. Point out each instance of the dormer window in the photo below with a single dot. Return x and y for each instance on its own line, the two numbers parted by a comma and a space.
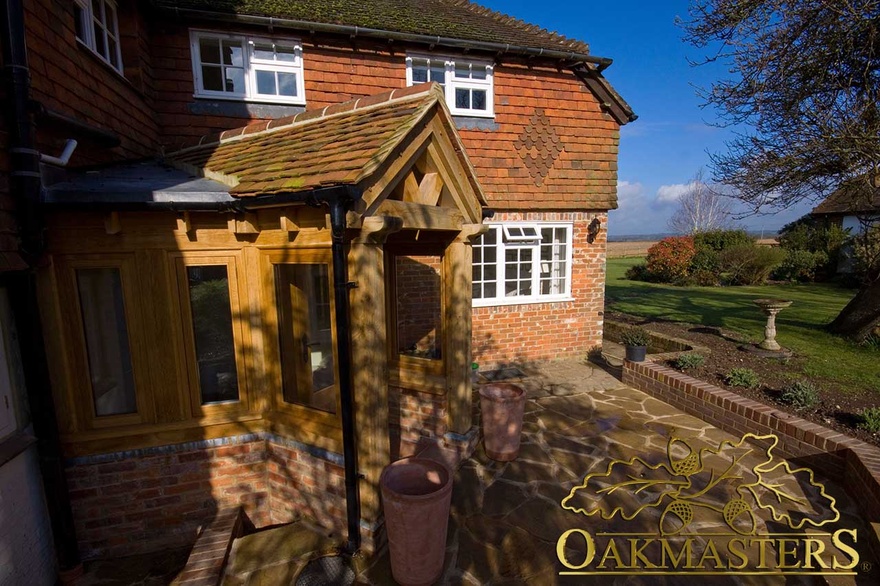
97, 27
254, 69
468, 84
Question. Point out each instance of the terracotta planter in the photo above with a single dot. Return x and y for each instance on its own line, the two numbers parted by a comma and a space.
416, 494
636, 353
502, 407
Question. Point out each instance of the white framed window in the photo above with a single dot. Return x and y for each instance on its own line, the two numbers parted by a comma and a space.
235, 67
468, 84
522, 263
97, 27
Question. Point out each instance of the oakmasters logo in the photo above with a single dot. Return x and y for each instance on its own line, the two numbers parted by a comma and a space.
735, 509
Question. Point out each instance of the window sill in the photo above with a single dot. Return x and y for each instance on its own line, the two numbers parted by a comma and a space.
518, 301
474, 122
220, 97
242, 109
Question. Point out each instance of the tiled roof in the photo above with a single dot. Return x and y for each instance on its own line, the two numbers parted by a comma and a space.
338, 145
851, 198
457, 19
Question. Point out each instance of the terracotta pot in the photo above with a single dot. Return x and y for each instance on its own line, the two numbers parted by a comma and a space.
502, 407
416, 495
636, 353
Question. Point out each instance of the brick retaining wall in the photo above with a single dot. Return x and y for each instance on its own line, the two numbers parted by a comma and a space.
852, 462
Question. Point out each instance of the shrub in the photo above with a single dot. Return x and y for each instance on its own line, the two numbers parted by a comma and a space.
718, 240
800, 395
808, 234
743, 377
688, 361
635, 337
800, 265
705, 268
749, 264
668, 261
638, 272
870, 419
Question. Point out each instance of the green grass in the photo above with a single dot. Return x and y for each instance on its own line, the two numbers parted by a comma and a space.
800, 327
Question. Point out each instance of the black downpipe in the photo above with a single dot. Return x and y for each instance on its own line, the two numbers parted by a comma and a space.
26, 187
339, 206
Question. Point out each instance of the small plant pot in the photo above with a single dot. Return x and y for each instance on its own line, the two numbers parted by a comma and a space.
636, 353
416, 496
502, 406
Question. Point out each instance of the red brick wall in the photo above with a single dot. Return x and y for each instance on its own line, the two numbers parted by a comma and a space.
417, 415
587, 139
125, 504
417, 280
69, 78
303, 485
539, 331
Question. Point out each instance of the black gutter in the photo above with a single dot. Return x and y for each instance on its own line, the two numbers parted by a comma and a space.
339, 200
356, 31
25, 188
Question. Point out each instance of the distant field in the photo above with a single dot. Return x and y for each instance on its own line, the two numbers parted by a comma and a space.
640, 248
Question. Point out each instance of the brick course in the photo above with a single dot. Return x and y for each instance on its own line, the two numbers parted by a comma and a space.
853, 463
152, 499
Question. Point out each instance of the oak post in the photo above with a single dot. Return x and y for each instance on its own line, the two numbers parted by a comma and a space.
457, 274
366, 266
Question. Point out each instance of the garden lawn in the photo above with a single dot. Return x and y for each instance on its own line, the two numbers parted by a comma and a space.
800, 327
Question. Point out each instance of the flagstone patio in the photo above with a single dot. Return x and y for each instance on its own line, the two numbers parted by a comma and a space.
507, 517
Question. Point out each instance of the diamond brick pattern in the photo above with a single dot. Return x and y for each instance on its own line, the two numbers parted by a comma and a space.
539, 146
338, 145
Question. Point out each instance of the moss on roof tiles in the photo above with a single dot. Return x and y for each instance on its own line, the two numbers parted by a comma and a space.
458, 19
320, 150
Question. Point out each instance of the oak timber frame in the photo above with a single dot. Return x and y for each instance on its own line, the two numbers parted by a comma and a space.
424, 195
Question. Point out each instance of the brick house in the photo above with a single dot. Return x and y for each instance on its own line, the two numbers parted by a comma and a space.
185, 230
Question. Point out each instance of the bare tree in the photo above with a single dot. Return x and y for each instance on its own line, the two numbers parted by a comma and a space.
701, 208
806, 86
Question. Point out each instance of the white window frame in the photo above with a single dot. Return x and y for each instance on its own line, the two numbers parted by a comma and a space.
88, 26
503, 244
250, 65
451, 82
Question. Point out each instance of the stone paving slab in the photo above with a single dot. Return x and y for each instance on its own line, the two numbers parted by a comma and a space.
506, 517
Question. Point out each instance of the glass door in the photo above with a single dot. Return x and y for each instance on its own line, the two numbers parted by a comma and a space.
305, 327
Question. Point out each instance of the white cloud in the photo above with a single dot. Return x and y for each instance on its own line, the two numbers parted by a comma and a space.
670, 194
628, 192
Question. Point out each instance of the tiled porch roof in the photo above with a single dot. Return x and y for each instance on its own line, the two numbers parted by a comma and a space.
457, 19
338, 145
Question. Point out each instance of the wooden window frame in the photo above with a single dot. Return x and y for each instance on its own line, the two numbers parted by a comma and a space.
73, 331
306, 424
250, 64
237, 284
421, 374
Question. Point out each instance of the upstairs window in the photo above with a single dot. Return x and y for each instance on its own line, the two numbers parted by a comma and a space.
467, 84
247, 68
97, 27
522, 263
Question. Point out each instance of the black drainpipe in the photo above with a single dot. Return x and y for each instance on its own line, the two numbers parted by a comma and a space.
25, 188
339, 201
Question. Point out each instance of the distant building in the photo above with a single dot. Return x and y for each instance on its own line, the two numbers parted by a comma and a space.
854, 206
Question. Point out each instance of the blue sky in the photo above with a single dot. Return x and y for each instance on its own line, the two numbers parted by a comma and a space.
662, 150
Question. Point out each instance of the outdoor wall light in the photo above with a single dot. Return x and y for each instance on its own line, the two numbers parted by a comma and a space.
593, 230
